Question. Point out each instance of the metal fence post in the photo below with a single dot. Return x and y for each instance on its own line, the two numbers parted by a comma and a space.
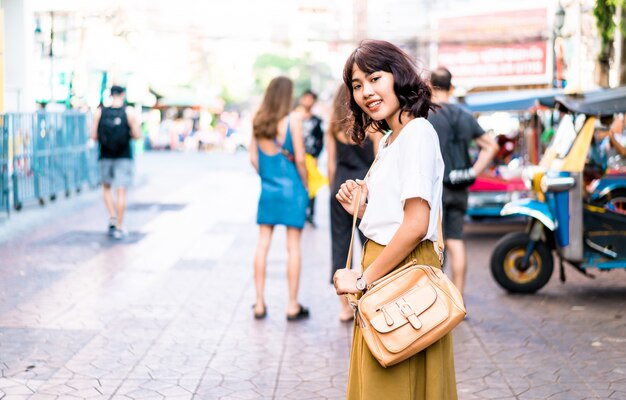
47, 155
4, 166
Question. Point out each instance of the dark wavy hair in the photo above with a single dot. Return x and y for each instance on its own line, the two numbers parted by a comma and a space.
414, 94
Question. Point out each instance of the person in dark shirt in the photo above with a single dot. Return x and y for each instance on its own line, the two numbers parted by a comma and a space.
114, 127
456, 128
313, 137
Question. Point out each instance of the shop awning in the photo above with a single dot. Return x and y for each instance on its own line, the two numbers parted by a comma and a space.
599, 102
510, 100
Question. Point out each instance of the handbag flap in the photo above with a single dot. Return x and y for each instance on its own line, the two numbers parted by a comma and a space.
404, 309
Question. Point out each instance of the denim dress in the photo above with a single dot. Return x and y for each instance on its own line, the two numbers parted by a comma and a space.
284, 198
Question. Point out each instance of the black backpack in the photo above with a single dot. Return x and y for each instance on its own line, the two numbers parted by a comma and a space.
113, 131
456, 151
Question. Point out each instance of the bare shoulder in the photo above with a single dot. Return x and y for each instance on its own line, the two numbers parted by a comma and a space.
295, 117
295, 122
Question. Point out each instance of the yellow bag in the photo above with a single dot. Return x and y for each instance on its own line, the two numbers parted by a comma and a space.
316, 179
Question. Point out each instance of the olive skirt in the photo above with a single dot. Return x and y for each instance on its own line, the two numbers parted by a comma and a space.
428, 375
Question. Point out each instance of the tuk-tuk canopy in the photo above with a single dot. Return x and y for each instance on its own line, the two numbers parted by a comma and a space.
510, 100
598, 103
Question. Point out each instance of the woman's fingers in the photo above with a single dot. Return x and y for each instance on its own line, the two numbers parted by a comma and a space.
345, 191
344, 281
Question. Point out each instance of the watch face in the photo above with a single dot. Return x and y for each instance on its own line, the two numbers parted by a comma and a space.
360, 284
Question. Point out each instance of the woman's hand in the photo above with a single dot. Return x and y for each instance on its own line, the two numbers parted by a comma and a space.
347, 191
345, 281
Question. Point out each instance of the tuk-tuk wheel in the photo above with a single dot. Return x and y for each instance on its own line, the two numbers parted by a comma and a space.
616, 200
508, 269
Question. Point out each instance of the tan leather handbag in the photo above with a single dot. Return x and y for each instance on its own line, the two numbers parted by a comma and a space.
408, 309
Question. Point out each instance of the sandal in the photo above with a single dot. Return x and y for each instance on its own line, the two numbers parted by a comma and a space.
302, 314
260, 315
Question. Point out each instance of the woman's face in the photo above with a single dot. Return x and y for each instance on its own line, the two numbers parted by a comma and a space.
374, 93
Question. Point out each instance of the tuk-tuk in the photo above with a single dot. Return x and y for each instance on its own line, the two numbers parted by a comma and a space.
584, 229
514, 117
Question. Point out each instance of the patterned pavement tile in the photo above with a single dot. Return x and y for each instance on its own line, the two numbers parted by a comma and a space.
167, 314
157, 388
78, 388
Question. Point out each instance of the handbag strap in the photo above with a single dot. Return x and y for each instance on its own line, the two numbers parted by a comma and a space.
355, 213
281, 146
439, 245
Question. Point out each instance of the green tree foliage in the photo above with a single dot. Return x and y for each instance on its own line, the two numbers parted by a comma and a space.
300, 70
604, 12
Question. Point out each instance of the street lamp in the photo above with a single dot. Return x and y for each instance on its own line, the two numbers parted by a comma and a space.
38, 35
559, 20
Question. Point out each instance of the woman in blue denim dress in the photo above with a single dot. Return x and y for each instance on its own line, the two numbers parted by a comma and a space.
277, 153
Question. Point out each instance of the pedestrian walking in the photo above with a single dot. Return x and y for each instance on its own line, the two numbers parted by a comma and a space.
313, 142
346, 160
277, 153
399, 212
457, 128
114, 127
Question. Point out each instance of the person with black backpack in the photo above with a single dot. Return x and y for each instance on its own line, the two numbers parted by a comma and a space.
456, 129
114, 127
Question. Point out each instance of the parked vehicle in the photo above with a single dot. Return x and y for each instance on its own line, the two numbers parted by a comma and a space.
514, 117
585, 230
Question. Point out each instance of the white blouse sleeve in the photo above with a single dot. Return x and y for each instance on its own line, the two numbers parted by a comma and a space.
418, 164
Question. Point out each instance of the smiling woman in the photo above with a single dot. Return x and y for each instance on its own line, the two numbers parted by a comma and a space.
401, 84
370, 89
400, 215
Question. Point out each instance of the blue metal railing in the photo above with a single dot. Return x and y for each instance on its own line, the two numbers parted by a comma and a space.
47, 154
4, 167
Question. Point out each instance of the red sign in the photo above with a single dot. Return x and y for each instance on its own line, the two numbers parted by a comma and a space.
507, 47
494, 61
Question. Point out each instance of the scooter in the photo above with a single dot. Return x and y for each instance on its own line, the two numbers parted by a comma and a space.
584, 230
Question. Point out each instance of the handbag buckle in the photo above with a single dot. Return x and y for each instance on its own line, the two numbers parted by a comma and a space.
405, 309
408, 312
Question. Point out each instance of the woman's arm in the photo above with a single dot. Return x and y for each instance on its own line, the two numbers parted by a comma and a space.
410, 233
298, 148
332, 162
412, 230
254, 154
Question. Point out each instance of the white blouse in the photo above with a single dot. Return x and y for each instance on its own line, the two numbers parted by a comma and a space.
411, 166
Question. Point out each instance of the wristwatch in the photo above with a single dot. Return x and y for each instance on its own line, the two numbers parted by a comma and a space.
361, 284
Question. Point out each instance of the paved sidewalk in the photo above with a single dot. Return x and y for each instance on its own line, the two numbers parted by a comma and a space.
167, 312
